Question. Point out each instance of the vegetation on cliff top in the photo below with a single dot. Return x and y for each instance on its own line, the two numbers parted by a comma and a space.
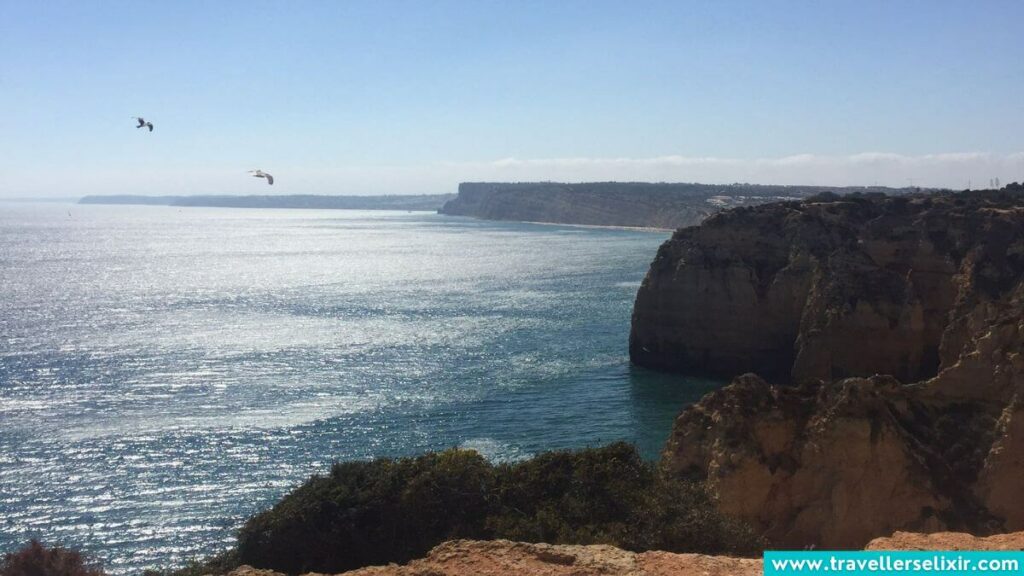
35, 559
370, 513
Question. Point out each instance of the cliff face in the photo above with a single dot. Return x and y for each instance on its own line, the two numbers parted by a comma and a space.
633, 204
824, 290
926, 290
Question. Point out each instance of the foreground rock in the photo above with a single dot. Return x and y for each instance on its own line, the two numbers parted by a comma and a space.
947, 541
505, 558
826, 294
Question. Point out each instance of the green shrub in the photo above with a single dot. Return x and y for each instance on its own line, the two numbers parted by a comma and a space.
367, 513
583, 497
35, 559
372, 513
679, 516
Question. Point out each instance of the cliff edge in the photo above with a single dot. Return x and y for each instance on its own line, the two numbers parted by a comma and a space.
505, 558
899, 325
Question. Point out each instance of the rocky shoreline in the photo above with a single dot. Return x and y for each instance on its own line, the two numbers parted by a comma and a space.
891, 330
882, 339
876, 350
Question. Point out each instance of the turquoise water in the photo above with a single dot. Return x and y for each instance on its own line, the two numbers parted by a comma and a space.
166, 372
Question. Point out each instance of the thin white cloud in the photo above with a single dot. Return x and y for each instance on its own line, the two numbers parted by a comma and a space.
953, 170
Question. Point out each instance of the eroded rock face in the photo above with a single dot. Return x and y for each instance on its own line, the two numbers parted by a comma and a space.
929, 291
815, 290
1001, 478
832, 465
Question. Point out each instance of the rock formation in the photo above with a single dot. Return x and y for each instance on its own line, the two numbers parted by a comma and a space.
505, 558
824, 295
634, 204
947, 541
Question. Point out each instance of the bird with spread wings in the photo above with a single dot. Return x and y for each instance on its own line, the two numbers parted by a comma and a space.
261, 174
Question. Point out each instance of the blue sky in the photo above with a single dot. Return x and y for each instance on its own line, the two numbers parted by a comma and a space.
407, 97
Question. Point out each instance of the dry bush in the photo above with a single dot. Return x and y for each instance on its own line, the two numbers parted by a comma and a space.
35, 559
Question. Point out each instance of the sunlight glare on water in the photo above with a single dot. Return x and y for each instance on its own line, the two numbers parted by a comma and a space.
164, 372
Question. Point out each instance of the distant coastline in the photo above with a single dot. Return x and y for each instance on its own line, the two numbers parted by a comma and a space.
643, 205
627, 205
309, 201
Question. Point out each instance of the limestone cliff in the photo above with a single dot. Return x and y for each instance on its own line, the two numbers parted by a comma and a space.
825, 294
848, 286
634, 204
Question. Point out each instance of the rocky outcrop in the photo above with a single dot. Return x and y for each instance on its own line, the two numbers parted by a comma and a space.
837, 464
505, 558
824, 295
947, 541
848, 286
630, 204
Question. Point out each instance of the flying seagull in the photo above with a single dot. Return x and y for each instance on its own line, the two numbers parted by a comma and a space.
142, 122
262, 174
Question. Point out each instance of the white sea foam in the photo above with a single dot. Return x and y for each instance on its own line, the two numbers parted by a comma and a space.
495, 451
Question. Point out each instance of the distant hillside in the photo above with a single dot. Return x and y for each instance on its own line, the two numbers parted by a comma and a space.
411, 202
636, 204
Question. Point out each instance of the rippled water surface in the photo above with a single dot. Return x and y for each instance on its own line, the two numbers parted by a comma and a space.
166, 372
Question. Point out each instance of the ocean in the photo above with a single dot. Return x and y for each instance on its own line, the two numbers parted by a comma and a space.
166, 372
